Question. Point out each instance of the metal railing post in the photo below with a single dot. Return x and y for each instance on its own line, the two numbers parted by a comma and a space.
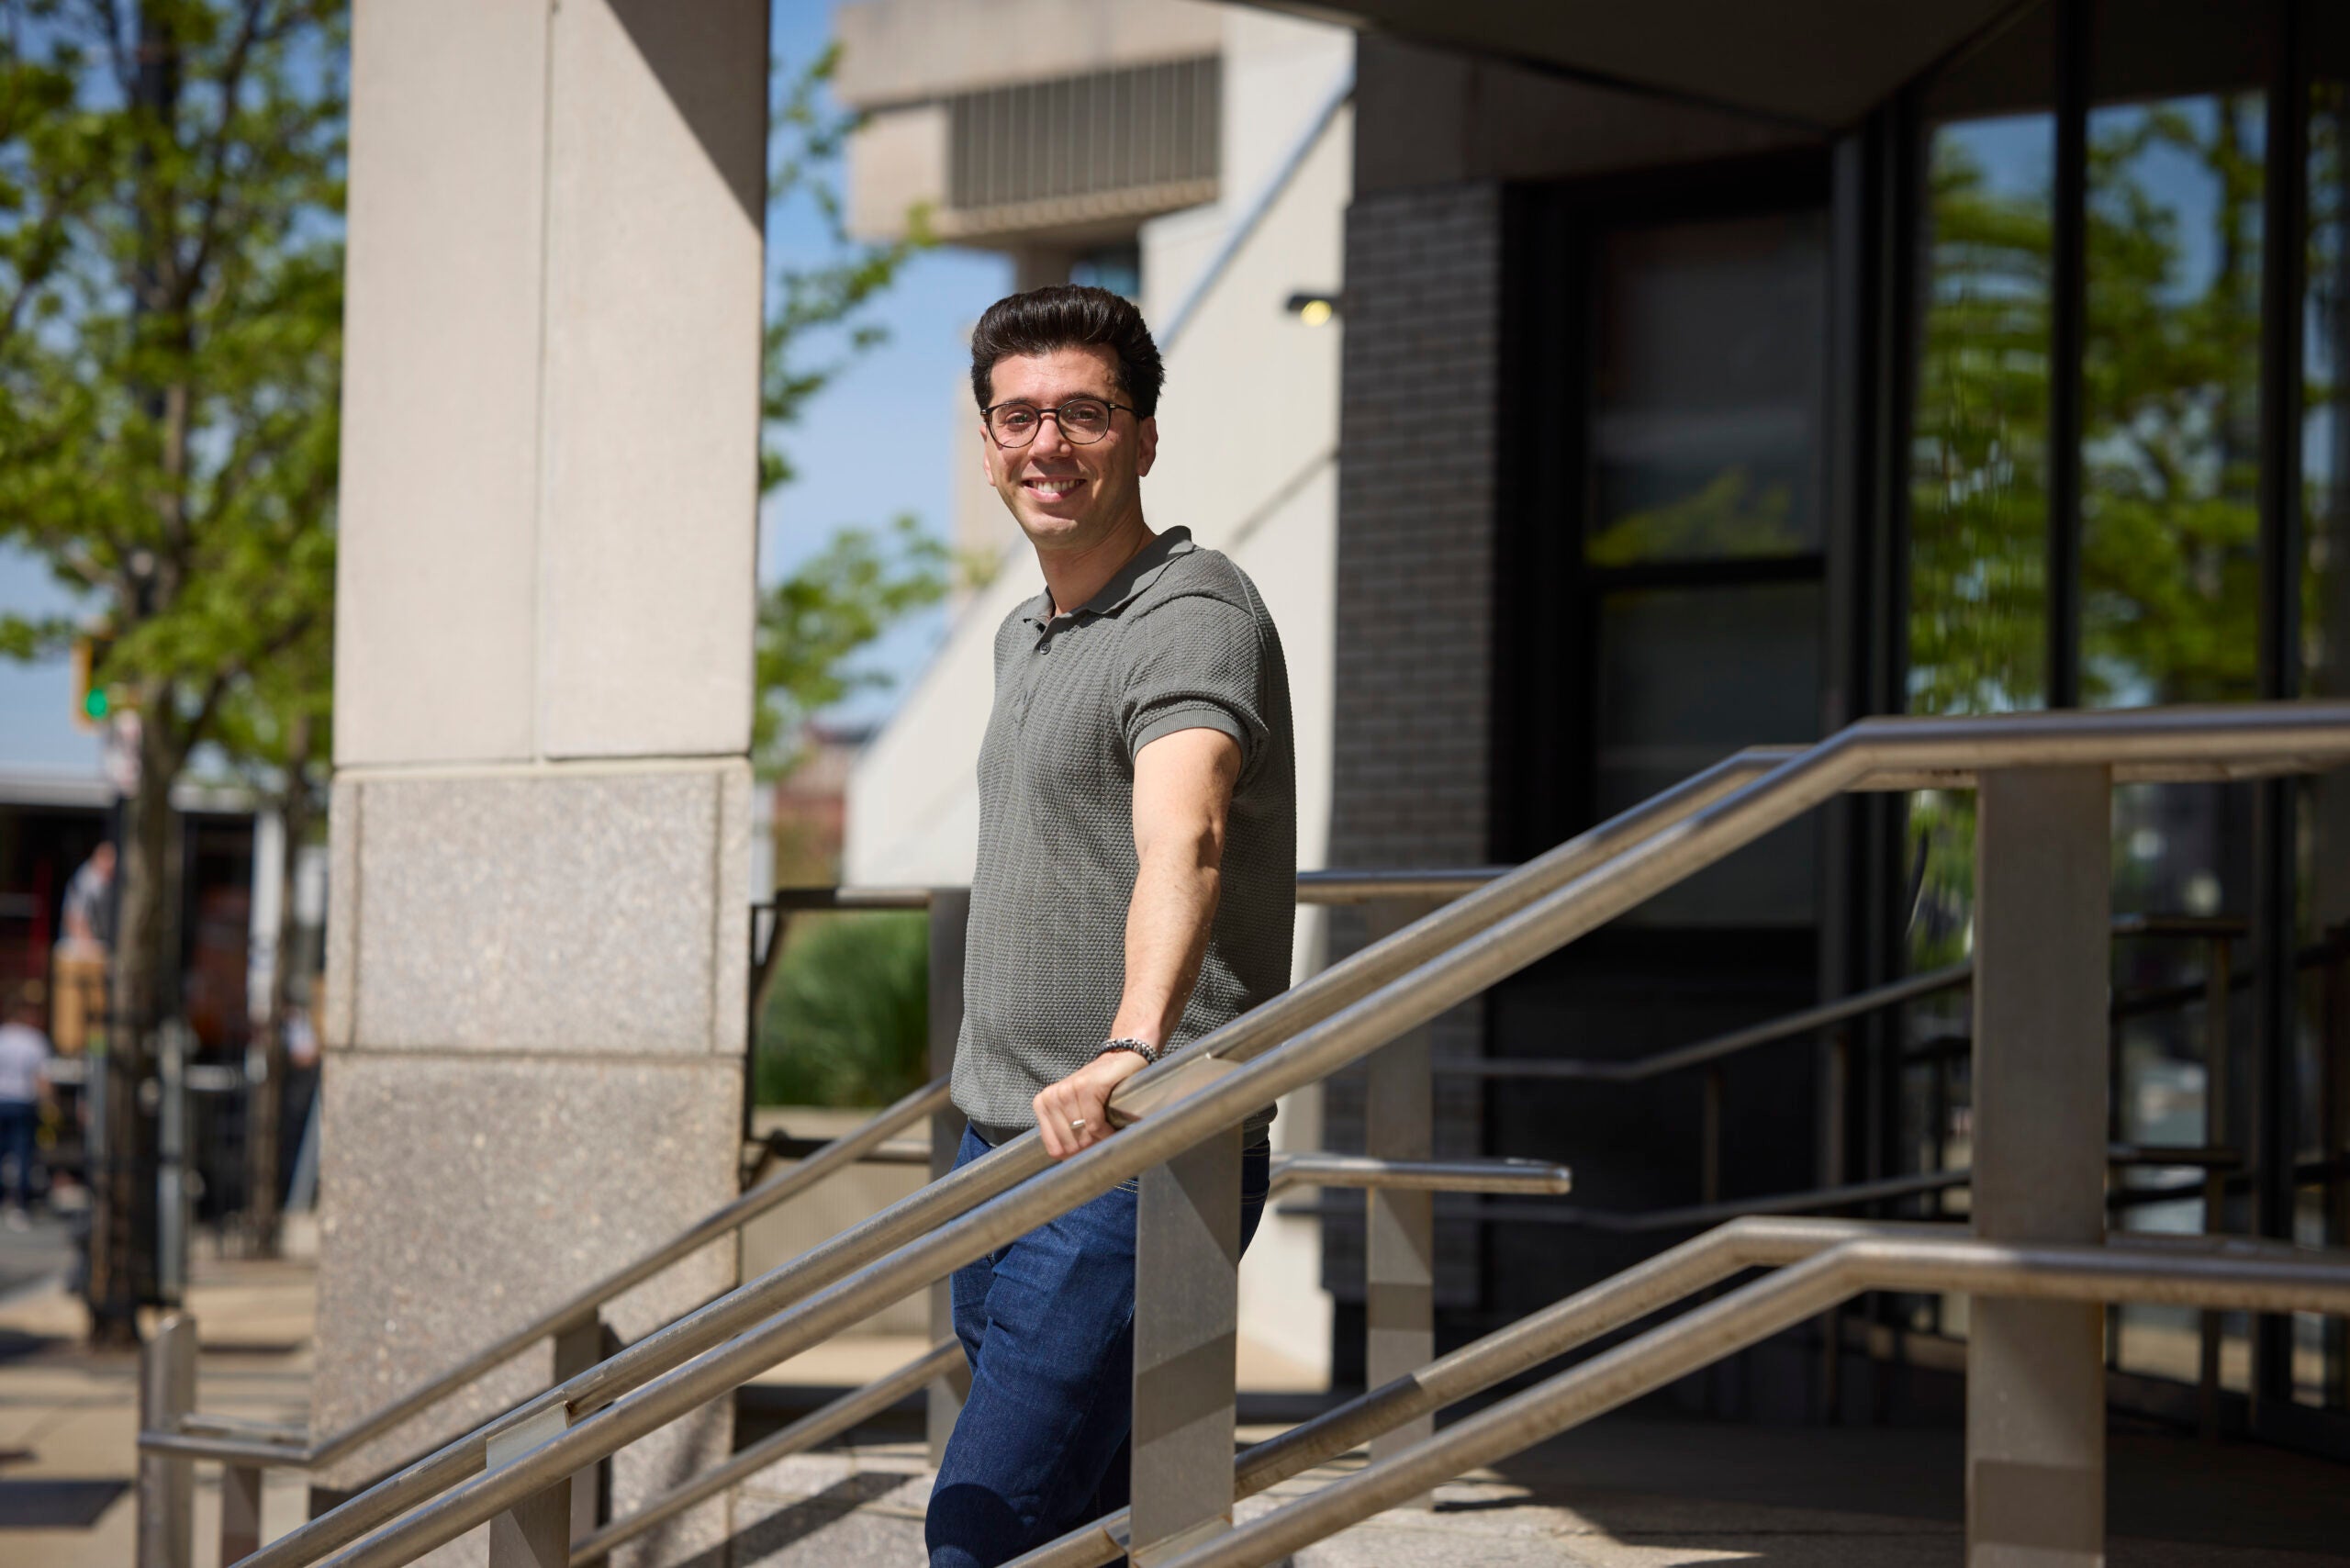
166, 1481
2334, 1047
950, 917
239, 1511
576, 1348
536, 1531
1399, 1227
2035, 1370
2217, 987
1187, 1314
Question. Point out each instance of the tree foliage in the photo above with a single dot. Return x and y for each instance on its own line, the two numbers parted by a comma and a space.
848, 1021
814, 621
171, 191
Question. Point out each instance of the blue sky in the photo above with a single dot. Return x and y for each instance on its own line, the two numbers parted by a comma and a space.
875, 443
881, 440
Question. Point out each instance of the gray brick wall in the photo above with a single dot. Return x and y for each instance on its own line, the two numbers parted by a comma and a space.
1416, 541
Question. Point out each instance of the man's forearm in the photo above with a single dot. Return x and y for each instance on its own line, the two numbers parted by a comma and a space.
1167, 938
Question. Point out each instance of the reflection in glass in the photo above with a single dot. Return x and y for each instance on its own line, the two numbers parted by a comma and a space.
1707, 389
2171, 440
1979, 481
1978, 477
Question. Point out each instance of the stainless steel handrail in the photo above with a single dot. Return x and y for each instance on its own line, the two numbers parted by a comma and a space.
1218, 1081
846, 1151
868, 1141
1714, 1048
840, 1415
816, 1427
1310, 1002
1523, 1177
1221, 1080
2218, 1277
1804, 1021
1572, 1321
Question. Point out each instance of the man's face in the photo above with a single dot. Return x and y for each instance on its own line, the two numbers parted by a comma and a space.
1065, 496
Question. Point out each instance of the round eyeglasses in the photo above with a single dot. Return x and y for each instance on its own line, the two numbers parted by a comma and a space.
1083, 420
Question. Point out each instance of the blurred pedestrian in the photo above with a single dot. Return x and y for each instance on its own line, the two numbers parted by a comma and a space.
89, 902
83, 947
24, 1091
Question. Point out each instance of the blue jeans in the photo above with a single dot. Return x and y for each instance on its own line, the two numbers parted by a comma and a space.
1041, 1446
18, 1120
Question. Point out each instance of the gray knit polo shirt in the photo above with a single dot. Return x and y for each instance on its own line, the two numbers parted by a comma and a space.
1178, 639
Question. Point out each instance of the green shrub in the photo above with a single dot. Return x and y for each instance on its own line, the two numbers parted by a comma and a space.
847, 1021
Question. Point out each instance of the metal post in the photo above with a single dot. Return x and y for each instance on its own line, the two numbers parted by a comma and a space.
950, 917
166, 1489
1835, 1113
576, 1348
2333, 1046
1709, 1159
239, 1511
1399, 1241
171, 1043
536, 1531
2218, 985
1187, 1314
2035, 1386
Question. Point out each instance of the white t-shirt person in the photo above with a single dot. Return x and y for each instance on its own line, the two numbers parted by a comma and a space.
24, 1063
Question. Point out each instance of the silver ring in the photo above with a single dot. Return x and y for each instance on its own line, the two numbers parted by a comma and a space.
1078, 1126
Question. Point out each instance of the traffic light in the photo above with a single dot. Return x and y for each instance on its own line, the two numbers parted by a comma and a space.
92, 702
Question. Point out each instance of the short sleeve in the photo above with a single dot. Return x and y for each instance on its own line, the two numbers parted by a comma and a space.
1199, 664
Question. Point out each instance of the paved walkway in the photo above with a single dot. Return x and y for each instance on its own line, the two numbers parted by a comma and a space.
1639, 1491
1633, 1491
69, 1416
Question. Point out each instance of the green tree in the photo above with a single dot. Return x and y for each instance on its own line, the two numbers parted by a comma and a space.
170, 186
849, 1020
813, 622
277, 728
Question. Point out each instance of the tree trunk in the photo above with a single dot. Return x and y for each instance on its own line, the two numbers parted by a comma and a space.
122, 1196
268, 1105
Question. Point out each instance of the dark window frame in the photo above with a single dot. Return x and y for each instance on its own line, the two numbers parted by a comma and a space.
1547, 596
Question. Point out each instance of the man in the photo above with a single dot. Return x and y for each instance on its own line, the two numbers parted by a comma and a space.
24, 1089
1135, 890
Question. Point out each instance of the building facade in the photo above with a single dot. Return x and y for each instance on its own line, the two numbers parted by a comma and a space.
1714, 375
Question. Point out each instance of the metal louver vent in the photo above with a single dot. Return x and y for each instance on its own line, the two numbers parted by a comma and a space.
1126, 133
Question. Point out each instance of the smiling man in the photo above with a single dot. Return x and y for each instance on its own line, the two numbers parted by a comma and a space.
1135, 890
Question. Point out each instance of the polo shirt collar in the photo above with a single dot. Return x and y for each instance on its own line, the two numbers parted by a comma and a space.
1127, 583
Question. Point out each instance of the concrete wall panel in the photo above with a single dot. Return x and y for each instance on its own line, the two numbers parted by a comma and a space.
654, 205
569, 911
441, 374
463, 1196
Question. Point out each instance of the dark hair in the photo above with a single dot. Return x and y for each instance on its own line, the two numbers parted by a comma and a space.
1068, 315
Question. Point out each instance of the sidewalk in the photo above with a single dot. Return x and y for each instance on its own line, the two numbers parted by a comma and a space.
69, 1416
1633, 1490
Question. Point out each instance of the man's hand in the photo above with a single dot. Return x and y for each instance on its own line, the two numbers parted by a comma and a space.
1082, 1097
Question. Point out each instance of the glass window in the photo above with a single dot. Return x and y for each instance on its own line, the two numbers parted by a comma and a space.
1687, 677
2321, 1346
1978, 498
1702, 533
2170, 524
1706, 390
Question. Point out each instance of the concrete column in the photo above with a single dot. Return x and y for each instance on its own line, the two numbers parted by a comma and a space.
542, 805
2035, 1370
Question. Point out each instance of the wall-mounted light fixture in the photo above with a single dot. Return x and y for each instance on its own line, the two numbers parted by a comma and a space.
1314, 310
